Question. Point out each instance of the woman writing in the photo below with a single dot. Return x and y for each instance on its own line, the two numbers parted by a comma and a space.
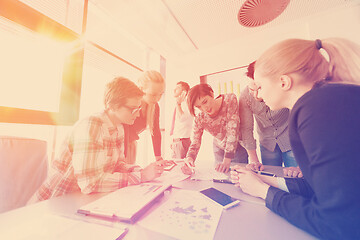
219, 116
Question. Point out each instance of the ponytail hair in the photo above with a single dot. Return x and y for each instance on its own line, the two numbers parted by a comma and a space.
303, 57
344, 56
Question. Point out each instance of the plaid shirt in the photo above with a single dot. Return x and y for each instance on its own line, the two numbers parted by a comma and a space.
91, 160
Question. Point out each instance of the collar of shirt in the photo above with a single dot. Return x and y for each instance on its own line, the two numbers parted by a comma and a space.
111, 127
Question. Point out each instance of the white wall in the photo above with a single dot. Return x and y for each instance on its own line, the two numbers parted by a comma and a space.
339, 22
342, 22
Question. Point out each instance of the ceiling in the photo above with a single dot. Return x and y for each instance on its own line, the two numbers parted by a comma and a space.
179, 27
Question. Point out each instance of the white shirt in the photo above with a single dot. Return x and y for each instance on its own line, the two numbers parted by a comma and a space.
183, 122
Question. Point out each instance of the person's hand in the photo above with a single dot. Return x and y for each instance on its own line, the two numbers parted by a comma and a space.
234, 175
178, 100
292, 172
181, 97
249, 182
224, 166
188, 165
159, 158
152, 171
168, 163
255, 166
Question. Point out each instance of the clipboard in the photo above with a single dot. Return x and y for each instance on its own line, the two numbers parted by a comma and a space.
125, 204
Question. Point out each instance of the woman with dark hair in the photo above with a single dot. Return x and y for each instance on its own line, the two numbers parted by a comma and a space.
219, 116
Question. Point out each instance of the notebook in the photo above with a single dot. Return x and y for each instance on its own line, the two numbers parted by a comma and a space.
126, 204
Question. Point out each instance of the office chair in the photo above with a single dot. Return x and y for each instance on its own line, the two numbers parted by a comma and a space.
23, 168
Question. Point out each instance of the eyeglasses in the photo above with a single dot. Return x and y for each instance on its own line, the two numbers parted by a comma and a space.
134, 110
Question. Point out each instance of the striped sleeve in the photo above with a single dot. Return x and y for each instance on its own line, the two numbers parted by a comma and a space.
246, 121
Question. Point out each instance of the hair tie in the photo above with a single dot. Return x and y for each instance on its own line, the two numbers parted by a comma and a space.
318, 44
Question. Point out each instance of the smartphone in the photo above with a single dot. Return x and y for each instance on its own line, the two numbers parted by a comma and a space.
221, 198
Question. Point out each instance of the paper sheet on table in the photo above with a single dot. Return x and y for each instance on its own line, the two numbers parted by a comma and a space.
171, 177
185, 215
135, 198
60, 228
205, 174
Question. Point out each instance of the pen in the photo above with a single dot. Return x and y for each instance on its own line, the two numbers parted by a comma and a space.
259, 172
222, 181
266, 173
189, 166
103, 222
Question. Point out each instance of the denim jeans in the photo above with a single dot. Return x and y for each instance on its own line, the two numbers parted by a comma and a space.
276, 158
241, 155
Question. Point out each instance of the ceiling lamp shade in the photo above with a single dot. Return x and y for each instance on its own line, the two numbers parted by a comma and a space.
254, 13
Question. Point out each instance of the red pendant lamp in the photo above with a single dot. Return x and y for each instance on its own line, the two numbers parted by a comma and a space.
254, 13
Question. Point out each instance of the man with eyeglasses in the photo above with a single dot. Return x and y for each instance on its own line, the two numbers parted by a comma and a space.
92, 158
272, 129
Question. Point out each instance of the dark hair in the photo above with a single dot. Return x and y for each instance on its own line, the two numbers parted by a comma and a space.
118, 91
251, 70
185, 86
196, 92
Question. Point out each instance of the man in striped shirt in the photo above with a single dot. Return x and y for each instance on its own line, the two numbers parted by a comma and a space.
272, 128
92, 156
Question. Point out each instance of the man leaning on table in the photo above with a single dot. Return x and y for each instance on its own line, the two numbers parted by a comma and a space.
272, 128
92, 155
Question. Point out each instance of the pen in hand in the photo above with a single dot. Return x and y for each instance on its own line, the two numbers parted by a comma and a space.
189, 166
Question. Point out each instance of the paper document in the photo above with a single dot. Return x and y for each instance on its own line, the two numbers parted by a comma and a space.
59, 228
185, 215
173, 176
125, 204
209, 174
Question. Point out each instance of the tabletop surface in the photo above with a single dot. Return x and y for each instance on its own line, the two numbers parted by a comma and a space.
249, 220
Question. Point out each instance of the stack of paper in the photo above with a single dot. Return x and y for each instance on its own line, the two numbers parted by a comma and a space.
60, 228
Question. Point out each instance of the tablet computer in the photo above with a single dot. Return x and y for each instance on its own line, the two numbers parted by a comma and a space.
220, 198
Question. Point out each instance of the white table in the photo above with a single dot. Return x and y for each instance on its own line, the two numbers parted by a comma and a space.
246, 221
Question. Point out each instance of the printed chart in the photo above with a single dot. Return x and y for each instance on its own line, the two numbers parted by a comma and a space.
185, 215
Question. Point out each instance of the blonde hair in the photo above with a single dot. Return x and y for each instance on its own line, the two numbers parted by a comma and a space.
118, 91
303, 57
148, 77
